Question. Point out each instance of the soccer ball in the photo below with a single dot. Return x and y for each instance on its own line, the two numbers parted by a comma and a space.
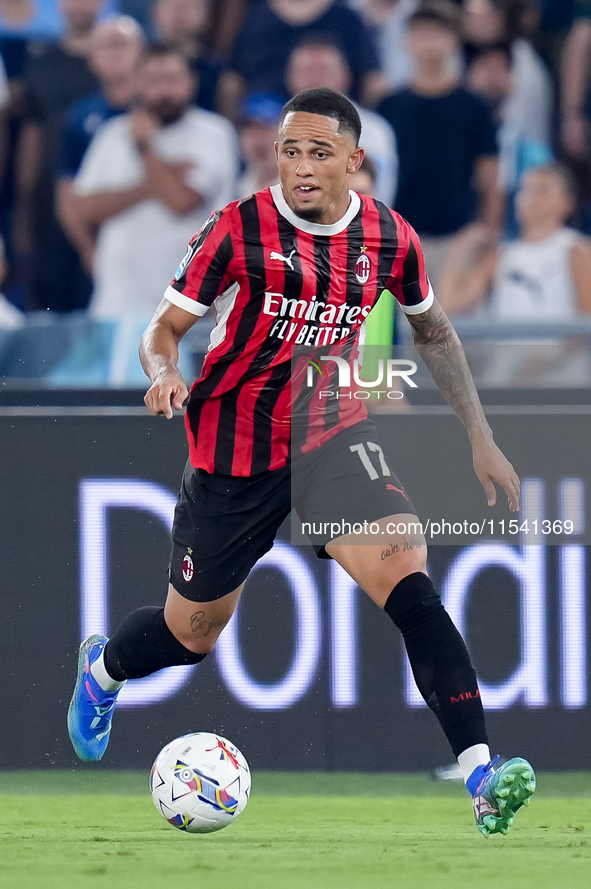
200, 782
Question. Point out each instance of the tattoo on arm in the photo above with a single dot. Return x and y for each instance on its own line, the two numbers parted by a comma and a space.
439, 346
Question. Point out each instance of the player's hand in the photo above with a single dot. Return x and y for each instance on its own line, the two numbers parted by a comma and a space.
491, 465
168, 391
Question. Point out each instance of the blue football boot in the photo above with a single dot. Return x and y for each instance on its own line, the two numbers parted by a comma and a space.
91, 709
496, 796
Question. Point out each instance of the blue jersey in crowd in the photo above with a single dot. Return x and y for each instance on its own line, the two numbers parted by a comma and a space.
83, 119
265, 41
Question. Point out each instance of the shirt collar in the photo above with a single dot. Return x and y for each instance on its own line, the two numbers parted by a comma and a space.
315, 228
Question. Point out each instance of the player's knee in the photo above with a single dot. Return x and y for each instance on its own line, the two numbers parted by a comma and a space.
199, 644
416, 608
402, 563
193, 642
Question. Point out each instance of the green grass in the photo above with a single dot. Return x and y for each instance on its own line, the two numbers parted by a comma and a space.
85, 830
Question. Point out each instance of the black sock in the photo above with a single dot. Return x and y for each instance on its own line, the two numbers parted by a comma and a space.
439, 659
143, 644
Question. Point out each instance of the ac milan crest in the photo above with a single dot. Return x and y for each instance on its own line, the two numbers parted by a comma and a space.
363, 267
188, 568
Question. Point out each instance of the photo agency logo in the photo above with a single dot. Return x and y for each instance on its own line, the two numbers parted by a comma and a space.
344, 380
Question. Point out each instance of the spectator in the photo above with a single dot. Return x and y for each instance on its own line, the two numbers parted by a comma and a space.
182, 23
388, 19
10, 317
225, 20
149, 180
490, 75
364, 180
530, 103
320, 63
544, 275
56, 75
14, 53
258, 134
21, 18
273, 28
446, 141
138, 10
555, 20
114, 54
576, 68
4, 104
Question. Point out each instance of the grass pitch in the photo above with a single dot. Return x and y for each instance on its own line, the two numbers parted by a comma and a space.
99, 830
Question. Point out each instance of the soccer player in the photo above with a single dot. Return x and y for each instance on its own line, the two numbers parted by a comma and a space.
297, 266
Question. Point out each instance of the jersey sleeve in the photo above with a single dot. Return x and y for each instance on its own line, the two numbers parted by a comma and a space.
408, 280
204, 269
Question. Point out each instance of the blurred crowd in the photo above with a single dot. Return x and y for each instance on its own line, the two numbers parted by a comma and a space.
124, 123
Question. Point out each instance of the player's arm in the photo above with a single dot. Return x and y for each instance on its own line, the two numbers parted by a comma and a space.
159, 355
439, 346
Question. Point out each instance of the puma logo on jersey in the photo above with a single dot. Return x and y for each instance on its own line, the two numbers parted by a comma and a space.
282, 258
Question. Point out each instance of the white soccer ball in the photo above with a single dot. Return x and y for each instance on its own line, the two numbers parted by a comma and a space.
200, 782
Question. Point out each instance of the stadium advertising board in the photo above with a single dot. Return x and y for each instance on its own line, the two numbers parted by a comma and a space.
309, 674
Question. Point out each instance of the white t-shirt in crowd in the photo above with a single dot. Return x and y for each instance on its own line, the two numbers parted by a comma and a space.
534, 279
379, 143
395, 60
530, 103
139, 250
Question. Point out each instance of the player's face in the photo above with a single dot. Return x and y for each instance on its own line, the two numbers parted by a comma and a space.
314, 162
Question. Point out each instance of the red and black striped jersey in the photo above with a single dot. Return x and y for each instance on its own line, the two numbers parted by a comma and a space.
284, 287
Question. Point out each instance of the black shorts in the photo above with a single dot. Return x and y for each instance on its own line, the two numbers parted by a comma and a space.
224, 524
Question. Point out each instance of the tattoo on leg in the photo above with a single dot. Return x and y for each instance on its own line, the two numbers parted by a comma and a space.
199, 623
390, 550
405, 546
